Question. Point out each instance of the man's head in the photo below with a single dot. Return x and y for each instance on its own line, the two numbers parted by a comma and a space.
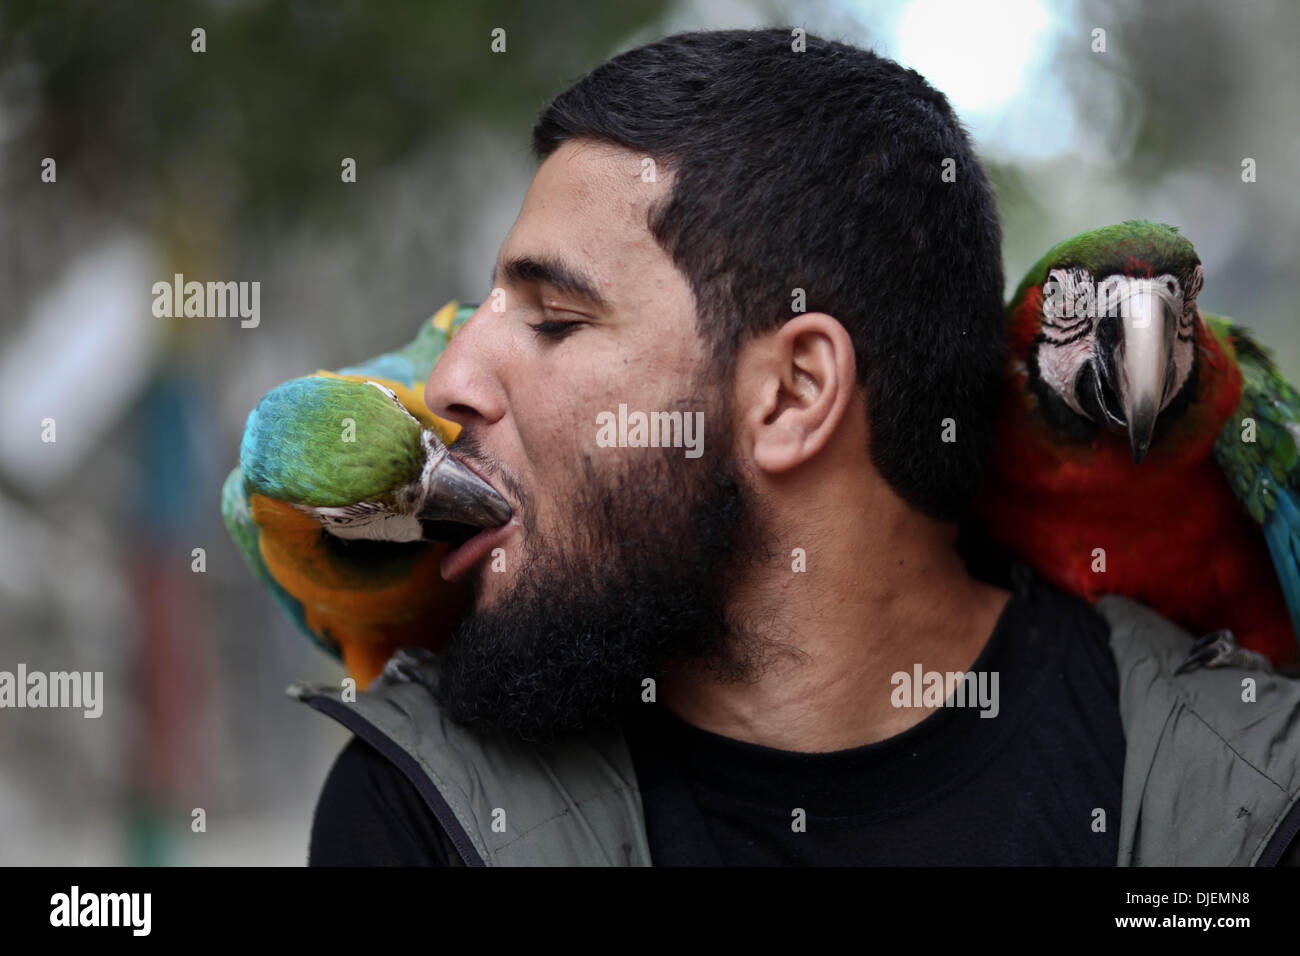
720, 225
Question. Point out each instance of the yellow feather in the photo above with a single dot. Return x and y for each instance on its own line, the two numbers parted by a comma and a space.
443, 318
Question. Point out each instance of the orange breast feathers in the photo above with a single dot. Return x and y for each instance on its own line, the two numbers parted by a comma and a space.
367, 597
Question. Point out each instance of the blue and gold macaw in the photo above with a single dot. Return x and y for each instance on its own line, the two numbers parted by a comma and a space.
345, 500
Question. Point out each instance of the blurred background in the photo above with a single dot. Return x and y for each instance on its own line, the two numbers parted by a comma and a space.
225, 165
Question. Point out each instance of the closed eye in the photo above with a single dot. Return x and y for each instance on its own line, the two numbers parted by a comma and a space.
551, 329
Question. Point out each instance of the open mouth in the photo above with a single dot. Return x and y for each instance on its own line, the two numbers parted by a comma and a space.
454, 532
466, 554
463, 509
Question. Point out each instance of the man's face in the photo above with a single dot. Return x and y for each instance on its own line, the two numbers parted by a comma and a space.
529, 398
617, 557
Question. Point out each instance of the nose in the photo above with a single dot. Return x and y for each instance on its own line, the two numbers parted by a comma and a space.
464, 387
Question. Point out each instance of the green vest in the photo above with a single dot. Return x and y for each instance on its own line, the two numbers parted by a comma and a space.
1209, 779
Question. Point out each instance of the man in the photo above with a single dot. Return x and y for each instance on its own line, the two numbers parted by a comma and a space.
709, 649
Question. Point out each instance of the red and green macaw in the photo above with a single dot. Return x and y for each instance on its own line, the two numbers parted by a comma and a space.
1148, 449
346, 496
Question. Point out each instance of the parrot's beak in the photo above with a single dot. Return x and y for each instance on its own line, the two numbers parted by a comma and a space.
456, 494
1136, 330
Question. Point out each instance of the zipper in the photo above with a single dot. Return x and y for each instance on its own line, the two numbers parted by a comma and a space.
407, 764
1283, 838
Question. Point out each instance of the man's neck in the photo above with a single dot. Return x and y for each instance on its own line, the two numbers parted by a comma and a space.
882, 591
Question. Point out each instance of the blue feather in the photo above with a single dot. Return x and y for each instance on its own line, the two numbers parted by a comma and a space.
391, 366
1282, 530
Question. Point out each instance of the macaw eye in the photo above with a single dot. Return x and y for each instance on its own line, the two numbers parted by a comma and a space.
1068, 305
1053, 296
1064, 297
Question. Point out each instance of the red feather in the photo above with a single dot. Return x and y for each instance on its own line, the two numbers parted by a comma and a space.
1173, 535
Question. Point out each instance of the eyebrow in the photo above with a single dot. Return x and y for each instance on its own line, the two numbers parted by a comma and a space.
551, 271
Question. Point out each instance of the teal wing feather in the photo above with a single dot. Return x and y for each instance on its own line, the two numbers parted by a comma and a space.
413, 363
238, 516
1265, 474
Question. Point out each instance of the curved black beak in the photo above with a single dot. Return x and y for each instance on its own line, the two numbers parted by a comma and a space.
455, 493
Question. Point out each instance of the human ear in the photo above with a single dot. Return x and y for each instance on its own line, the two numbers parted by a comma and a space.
801, 379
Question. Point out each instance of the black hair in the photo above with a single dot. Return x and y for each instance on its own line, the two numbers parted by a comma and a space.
835, 171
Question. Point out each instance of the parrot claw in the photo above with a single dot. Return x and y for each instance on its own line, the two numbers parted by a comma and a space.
410, 664
1218, 649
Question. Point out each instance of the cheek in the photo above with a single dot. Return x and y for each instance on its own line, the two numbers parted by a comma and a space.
556, 422
557, 419
1184, 358
1059, 366
557, 405
557, 414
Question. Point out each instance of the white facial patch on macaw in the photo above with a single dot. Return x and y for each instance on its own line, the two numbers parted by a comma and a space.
369, 521
1185, 345
1059, 366
1069, 315
392, 396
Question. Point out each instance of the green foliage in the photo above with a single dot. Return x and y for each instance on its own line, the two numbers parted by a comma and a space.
284, 91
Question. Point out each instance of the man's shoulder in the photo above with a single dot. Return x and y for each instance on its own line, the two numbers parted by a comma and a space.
575, 799
1230, 734
370, 814
1148, 651
1068, 620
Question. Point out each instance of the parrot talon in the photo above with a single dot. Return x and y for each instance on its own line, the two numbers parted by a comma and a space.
1215, 649
407, 666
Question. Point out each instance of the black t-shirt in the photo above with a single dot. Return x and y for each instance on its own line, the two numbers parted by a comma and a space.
1037, 784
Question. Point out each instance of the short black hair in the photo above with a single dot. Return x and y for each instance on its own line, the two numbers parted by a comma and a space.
823, 170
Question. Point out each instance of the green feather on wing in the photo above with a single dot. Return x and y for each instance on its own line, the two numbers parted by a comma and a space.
1264, 474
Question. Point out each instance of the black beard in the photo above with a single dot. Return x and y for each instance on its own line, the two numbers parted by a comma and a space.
640, 581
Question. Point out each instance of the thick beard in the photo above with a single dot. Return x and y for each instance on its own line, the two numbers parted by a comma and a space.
639, 581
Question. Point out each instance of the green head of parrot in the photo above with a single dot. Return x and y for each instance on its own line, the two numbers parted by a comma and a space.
1117, 338
351, 454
